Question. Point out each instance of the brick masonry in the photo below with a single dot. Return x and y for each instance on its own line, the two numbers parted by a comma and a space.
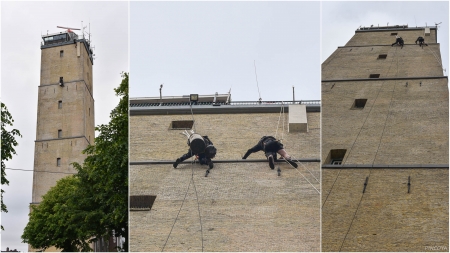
243, 206
404, 122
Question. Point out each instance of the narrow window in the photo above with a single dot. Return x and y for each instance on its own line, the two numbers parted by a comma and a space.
61, 53
374, 76
359, 103
60, 104
181, 124
58, 162
336, 156
142, 202
61, 81
59, 133
382, 56
393, 34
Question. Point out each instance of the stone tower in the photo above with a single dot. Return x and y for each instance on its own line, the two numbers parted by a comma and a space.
65, 116
385, 143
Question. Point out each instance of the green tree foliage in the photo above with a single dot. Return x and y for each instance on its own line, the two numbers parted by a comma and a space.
8, 144
97, 206
59, 220
105, 170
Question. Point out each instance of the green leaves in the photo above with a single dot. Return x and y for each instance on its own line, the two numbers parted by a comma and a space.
93, 203
7, 150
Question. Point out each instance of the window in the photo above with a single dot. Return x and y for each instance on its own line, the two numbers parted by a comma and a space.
58, 162
336, 156
59, 104
393, 34
142, 202
374, 76
61, 53
359, 103
382, 56
61, 81
59, 133
181, 124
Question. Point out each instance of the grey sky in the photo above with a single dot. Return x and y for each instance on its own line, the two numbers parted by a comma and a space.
208, 47
22, 24
341, 19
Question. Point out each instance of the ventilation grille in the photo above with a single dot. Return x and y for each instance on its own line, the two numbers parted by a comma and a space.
141, 202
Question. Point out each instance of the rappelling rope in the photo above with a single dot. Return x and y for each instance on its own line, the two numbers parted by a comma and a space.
278, 124
302, 176
306, 168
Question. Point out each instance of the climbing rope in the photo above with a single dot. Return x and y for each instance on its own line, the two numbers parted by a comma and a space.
279, 119
303, 176
305, 168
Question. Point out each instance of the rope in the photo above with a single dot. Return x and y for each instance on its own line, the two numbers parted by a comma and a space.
198, 204
279, 118
369, 111
437, 58
295, 159
331, 188
192, 113
351, 223
182, 203
254, 62
303, 176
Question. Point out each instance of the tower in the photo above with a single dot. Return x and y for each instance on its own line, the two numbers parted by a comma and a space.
385, 143
65, 115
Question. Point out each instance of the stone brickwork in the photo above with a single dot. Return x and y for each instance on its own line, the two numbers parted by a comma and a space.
374, 37
69, 108
386, 217
242, 206
232, 134
404, 123
360, 62
399, 124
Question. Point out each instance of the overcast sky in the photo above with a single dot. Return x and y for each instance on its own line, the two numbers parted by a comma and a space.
22, 24
341, 19
208, 47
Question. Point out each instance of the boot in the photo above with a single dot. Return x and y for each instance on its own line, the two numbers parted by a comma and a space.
271, 162
175, 164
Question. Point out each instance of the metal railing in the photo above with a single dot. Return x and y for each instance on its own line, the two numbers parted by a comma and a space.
237, 103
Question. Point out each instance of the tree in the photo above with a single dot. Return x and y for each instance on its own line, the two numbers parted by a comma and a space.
59, 220
93, 204
105, 170
8, 144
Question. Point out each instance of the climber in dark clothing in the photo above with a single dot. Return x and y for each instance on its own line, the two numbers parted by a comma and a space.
271, 147
399, 41
421, 41
203, 157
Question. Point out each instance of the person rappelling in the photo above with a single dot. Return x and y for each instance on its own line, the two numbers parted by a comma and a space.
399, 41
200, 146
271, 147
421, 41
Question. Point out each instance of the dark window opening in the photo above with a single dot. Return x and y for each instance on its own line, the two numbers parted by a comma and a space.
382, 56
336, 156
58, 162
61, 53
393, 34
181, 124
59, 104
142, 202
374, 76
359, 103
61, 81
60, 133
